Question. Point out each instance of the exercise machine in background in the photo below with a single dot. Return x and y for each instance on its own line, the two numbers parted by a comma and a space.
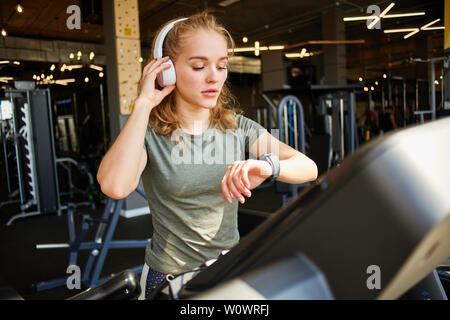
29, 152
335, 117
99, 247
286, 123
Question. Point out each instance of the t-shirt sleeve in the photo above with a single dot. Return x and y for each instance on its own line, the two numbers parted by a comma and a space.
250, 130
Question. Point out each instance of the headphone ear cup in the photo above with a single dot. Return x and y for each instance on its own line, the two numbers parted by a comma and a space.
167, 77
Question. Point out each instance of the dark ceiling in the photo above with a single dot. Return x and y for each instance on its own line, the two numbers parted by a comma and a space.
269, 21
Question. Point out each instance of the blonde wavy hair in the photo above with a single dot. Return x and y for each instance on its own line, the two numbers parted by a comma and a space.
163, 118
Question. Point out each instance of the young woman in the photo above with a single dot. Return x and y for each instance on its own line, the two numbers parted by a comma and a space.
188, 143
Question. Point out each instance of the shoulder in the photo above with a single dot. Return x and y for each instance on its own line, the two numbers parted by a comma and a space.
244, 122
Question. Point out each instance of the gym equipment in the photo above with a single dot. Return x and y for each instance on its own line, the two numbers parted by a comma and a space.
291, 126
432, 85
290, 129
297, 279
375, 225
166, 77
6, 130
122, 286
263, 115
336, 111
31, 131
67, 163
99, 247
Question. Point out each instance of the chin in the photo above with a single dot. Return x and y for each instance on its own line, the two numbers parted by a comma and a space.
208, 104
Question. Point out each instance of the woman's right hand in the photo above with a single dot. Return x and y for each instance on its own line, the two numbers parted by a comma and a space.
147, 90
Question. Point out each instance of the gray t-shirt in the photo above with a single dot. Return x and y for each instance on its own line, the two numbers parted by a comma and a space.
191, 222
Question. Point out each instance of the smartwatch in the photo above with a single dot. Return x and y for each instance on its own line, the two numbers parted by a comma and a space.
274, 162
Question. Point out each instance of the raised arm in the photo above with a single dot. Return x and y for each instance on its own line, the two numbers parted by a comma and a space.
121, 167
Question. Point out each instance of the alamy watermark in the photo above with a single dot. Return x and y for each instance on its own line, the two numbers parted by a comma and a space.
74, 279
74, 20
374, 280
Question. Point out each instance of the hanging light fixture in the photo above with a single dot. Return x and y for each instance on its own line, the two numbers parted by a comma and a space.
19, 8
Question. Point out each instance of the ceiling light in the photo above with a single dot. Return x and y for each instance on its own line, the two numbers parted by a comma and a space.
52, 67
6, 79
366, 89
19, 8
244, 39
436, 82
411, 34
227, 3
256, 48
302, 53
360, 79
86, 79
4, 33
71, 56
389, 7
93, 66
376, 83
63, 82
91, 55
358, 18
276, 47
247, 49
429, 24
372, 88
400, 30
401, 15
101, 74
384, 75
4, 62
292, 55
17, 63
75, 66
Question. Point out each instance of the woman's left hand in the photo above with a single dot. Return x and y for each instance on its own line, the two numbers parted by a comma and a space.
242, 176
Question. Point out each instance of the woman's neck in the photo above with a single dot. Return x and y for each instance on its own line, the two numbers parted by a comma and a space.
194, 120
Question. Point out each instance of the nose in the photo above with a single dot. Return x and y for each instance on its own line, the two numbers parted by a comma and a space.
212, 76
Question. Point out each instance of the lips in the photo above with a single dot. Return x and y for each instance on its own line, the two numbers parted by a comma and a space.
210, 92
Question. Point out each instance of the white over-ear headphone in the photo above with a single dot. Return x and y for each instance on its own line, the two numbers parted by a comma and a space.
166, 77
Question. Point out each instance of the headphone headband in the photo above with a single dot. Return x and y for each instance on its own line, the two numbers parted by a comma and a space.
158, 53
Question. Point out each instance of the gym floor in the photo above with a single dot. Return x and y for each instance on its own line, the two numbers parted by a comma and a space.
22, 265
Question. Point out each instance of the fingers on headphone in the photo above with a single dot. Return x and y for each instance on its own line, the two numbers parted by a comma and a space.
155, 63
159, 69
